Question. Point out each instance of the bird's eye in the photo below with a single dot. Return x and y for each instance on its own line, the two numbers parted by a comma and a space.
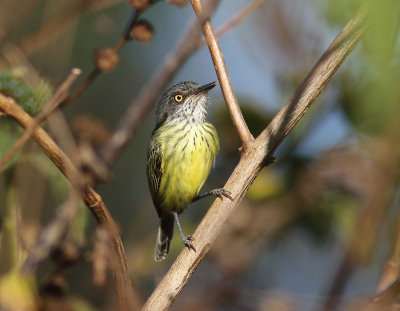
178, 98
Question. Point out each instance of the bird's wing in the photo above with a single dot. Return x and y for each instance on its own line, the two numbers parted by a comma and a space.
154, 171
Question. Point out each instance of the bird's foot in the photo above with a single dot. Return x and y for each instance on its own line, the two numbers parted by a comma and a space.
221, 193
188, 242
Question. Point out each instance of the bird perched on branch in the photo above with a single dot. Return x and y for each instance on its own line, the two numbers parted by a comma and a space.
182, 150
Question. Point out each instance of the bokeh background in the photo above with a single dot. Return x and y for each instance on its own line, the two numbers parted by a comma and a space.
321, 222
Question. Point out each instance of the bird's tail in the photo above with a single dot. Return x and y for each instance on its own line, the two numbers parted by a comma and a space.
164, 237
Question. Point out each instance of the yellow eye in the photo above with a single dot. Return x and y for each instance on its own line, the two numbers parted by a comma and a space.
178, 98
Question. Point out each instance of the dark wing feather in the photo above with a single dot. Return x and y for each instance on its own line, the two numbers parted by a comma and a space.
154, 171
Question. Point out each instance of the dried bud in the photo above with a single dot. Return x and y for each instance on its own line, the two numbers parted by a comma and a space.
106, 59
142, 31
65, 254
140, 4
180, 3
55, 286
91, 129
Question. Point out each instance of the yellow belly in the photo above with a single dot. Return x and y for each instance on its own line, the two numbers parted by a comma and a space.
187, 161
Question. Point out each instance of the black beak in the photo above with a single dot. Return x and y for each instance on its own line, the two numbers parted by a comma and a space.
205, 88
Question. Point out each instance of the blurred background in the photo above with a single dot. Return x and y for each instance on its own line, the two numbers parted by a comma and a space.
318, 224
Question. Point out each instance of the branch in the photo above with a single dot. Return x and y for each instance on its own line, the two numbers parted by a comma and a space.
52, 233
237, 19
253, 159
112, 61
48, 108
91, 198
224, 79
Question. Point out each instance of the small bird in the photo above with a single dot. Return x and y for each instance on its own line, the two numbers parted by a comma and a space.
182, 150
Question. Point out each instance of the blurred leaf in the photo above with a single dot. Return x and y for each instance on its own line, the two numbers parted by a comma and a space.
6, 142
268, 183
31, 99
339, 12
17, 292
370, 100
334, 209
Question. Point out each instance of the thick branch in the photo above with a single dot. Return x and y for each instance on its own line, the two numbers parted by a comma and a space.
48, 108
91, 198
253, 159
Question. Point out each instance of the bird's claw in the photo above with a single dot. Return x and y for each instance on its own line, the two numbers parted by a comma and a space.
221, 193
188, 242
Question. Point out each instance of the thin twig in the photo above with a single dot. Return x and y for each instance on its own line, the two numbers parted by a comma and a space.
48, 108
60, 21
384, 300
224, 79
91, 198
52, 233
253, 159
96, 71
236, 20
141, 106
82, 87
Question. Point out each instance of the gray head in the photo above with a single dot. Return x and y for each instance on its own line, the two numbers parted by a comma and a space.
184, 101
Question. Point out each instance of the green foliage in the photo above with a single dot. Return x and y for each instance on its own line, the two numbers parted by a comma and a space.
31, 99
6, 141
334, 210
370, 96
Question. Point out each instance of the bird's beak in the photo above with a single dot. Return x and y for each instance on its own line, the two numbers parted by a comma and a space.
205, 88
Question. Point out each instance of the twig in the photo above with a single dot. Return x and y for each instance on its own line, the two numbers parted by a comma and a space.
48, 108
82, 87
253, 159
140, 107
236, 20
91, 198
59, 21
52, 234
384, 300
96, 71
224, 79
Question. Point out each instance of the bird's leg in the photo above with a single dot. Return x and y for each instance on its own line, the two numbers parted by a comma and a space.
187, 241
219, 193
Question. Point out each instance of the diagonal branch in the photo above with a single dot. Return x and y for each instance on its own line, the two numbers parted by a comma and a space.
91, 198
224, 79
53, 233
254, 157
237, 19
48, 108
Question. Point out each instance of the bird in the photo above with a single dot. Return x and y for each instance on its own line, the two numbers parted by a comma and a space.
181, 153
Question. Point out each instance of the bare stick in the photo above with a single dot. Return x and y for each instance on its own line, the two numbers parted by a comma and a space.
141, 106
237, 19
52, 233
224, 79
48, 108
91, 198
253, 159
